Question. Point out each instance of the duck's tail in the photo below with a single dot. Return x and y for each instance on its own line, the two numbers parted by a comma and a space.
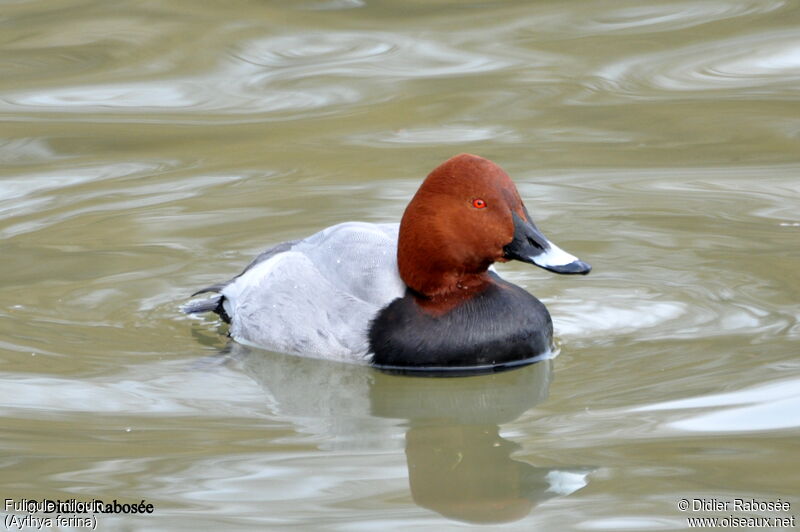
213, 304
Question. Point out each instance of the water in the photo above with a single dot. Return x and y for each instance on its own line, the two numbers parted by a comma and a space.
149, 149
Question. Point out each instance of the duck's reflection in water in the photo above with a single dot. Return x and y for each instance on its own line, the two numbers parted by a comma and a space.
458, 463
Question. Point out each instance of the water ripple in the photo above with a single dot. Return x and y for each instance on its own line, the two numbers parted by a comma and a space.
742, 66
365, 54
178, 96
271, 75
773, 406
671, 16
428, 136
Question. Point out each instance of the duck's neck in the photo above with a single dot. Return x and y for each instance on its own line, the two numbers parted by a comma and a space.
445, 285
439, 271
444, 297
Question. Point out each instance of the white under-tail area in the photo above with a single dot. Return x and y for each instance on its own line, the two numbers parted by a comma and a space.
318, 297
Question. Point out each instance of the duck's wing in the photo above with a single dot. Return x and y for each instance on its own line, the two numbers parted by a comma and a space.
359, 258
271, 252
215, 304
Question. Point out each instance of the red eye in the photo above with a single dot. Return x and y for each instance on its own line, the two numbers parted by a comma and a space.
478, 203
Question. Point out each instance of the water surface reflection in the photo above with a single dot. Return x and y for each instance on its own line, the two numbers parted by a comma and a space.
459, 465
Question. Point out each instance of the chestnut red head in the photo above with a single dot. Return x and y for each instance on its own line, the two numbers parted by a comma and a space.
466, 215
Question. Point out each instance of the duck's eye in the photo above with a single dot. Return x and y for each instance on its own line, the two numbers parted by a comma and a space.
478, 203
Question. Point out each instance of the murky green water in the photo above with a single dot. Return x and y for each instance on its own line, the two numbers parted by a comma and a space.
150, 148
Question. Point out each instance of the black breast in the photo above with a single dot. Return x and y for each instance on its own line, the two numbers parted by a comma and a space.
500, 326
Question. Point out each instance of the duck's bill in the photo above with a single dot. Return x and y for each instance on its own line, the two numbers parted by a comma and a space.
531, 246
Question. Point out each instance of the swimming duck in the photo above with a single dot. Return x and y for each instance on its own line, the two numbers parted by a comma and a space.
418, 296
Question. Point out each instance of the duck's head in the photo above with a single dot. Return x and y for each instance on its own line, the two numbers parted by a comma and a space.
466, 215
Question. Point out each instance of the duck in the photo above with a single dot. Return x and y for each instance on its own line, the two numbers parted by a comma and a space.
421, 295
